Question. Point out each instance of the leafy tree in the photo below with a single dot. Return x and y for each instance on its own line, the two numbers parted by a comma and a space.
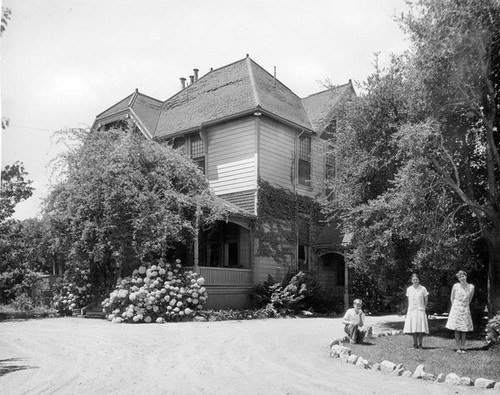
16, 272
457, 67
418, 173
124, 200
15, 188
6, 14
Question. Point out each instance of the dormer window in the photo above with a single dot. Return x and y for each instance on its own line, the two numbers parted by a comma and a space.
304, 162
197, 152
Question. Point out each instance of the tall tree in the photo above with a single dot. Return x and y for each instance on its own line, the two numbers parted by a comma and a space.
125, 199
16, 274
457, 67
436, 131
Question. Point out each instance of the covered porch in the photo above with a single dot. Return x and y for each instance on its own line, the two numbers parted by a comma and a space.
332, 269
223, 256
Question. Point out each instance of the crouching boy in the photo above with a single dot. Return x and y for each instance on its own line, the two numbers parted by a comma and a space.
354, 323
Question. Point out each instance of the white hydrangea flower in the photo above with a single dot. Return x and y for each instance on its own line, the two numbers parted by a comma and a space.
142, 269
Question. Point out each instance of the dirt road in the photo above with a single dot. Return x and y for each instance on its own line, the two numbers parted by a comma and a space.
275, 356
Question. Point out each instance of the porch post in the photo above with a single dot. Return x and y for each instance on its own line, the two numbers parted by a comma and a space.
346, 286
196, 240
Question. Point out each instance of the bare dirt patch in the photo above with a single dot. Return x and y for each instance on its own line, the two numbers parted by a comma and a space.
274, 356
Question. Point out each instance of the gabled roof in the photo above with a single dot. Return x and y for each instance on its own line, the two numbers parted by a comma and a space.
235, 89
321, 107
143, 109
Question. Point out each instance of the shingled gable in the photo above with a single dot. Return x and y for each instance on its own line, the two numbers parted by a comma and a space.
143, 109
234, 90
322, 106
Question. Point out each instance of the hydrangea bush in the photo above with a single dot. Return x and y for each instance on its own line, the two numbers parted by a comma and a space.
156, 293
74, 292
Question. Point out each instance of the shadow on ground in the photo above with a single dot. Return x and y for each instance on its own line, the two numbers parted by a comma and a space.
13, 365
437, 328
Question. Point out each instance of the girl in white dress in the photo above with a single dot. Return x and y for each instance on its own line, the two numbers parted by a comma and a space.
460, 319
416, 318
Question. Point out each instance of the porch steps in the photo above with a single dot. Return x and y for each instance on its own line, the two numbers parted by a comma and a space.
93, 310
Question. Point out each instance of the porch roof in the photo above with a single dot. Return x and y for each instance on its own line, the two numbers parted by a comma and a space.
234, 209
332, 236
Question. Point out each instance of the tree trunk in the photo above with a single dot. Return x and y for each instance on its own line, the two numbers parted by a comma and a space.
493, 242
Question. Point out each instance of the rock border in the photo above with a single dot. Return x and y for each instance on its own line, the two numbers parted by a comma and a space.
339, 351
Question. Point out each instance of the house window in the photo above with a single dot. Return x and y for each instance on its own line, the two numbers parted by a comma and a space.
303, 246
178, 142
304, 161
198, 152
330, 173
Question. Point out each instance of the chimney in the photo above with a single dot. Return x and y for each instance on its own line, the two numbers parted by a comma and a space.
191, 79
183, 82
195, 71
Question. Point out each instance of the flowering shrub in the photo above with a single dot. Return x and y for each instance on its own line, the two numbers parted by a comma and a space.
74, 292
156, 293
288, 297
297, 292
493, 331
23, 302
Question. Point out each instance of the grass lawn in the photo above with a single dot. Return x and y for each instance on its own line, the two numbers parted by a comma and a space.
7, 312
437, 355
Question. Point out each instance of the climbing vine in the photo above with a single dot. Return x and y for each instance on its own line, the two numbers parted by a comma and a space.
279, 211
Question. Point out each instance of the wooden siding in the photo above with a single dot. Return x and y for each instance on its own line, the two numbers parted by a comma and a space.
244, 199
267, 266
232, 157
318, 165
277, 163
276, 147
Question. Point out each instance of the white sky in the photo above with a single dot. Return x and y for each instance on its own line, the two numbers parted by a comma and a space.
65, 61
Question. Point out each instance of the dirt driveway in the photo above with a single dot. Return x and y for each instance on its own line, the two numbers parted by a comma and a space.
275, 356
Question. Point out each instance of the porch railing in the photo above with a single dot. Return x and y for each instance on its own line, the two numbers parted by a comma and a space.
224, 275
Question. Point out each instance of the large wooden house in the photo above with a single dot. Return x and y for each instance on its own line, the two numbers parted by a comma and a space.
264, 151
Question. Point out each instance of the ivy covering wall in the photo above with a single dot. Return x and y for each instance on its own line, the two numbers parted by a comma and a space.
279, 211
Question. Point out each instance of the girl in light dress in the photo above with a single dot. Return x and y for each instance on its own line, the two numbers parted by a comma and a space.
416, 318
460, 319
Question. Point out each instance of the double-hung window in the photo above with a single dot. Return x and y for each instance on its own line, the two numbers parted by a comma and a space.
304, 161
197, 152
330, 173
